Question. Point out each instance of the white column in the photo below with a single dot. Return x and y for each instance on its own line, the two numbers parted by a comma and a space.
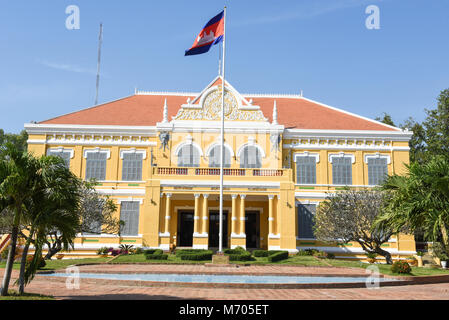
205, 226
270, 214
242, 213
196, 216
167, 213
234, 214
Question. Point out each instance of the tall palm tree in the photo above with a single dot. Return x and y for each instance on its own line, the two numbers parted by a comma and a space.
52, 206
18, 176
421, 200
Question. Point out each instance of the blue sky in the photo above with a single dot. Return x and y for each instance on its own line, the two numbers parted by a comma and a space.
321, 47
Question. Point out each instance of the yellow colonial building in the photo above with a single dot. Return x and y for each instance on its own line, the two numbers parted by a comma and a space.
157, 155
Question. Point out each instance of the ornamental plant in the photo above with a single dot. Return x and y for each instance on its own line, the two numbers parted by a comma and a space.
401, 267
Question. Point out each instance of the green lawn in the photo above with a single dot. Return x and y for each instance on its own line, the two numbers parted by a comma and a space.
13, 295
61, 264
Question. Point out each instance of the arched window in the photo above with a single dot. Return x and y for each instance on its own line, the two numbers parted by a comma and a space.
250, 157
188, 156
214, 157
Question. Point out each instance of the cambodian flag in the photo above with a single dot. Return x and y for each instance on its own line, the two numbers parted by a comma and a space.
211, 34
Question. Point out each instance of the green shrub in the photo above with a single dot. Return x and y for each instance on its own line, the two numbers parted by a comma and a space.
371, 255
156, 256
196, 256
190, 251
260, 253
330, 255
238, 254
138, 250
153, 251
303, 253
401, 267
244, 256
281, 255
310, 252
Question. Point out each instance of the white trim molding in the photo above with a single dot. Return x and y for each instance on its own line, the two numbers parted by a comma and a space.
377, 155
214, 144
133, 151
188, 141
251, 144
131, 199
342, 155
62, 150
307, 154
97, 150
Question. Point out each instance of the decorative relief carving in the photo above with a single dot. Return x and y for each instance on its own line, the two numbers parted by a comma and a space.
211, 109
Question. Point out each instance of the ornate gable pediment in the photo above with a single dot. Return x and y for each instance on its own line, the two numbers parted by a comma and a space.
207, 106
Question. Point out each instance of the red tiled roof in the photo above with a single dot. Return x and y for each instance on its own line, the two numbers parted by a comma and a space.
146, 110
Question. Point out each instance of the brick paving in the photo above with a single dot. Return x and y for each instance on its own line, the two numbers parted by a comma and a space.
112, 291
241, 270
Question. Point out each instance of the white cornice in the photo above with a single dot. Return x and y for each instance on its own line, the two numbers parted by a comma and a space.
202, 183
144, 131
347, 134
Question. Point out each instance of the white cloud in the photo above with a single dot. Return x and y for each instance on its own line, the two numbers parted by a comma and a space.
306, 10
68, 67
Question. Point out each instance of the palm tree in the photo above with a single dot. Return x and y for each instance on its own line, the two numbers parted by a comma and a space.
18, 175
52, 206
421, 200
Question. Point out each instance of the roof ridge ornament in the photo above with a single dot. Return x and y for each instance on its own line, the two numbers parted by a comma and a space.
275, 114
165, 112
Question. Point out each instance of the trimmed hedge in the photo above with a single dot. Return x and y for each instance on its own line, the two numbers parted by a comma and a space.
153, 251
190, 251
195, 254
282, 255
238, 254
156, 256
265, 253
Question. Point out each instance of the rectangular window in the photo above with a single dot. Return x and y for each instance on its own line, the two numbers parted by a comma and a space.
377, 170
64, 155
306, 170
306, 214
342, 170
96, 165
132, 167
129, 214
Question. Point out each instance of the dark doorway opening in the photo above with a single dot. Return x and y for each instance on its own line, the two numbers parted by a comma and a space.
252, 229
185, 228
214, 229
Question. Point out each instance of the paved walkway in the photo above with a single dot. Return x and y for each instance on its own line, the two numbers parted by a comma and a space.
202, 269
87, 290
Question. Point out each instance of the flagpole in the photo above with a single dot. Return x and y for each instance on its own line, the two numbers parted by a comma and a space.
220, 245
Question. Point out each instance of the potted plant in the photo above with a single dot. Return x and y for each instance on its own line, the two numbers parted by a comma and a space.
443, 258
439, 251
419, 256
103, 251
371, 257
